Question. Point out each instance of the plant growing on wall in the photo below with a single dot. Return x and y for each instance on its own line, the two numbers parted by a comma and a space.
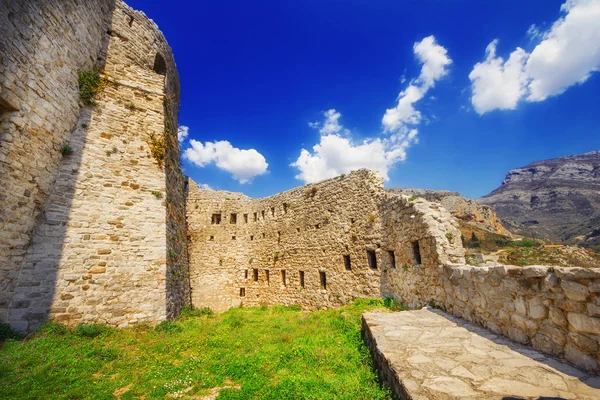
371, 218
449, 236
157, 194
412, 198
91, 83
66, 150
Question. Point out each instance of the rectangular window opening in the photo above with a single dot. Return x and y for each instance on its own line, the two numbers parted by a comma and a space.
372, 257
298, 230
347, 262
232, 237
323, 280
392, 259
211, 238
268, 276
273, 211
233, 219
251, 237
245, 218
285, 208
279, 237
416, 252
283, 281
242, 292
263, 214
216, 219
255, 274
246, 274
255, 216
301, 279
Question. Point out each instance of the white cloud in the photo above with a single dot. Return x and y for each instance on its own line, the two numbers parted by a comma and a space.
498, 84
534, 32
204, 186
435, 61
567, 55
182, 133
331, 124
243, 165
336, 153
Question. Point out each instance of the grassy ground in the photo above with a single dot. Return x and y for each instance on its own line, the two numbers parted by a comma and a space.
252, 353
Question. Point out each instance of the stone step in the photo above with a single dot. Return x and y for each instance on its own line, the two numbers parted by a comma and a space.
428, 354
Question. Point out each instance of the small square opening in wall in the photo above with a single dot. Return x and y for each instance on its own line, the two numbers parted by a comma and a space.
251, 237
264, 235
268, 276
323, 279
216, 219
347, 262
392, 258
301, 279
233, 219
245, 274
298, 230
283, 280
242, 292
245, 218
211, 238
372, 258
416, 252
232, 237
255, 274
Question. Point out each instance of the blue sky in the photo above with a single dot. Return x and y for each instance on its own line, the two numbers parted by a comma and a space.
484, 86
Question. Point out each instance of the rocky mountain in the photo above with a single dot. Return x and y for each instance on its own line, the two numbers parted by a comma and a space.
472, 216
557, 199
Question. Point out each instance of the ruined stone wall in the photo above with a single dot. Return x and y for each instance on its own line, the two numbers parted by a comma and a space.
110, 244
423, 236
310, 229
307, 229
43, 45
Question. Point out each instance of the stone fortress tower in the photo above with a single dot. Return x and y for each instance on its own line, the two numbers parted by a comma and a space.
99, 235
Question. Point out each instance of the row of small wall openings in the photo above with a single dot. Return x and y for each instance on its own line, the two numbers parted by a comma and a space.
322, 279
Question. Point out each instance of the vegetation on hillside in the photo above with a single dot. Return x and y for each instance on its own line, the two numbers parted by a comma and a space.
245, 353
526, 252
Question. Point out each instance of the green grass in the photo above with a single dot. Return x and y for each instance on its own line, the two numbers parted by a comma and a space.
260, 353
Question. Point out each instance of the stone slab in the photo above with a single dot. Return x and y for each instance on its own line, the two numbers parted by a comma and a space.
428, 354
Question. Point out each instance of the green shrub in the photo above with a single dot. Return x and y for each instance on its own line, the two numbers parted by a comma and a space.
168, 327
55, 328
90, 330
392, 304
66, 150
412, 198
90, 84
7, 333
449, 236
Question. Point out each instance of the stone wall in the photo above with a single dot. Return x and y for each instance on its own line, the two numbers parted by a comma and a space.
110, 245
310, 231
43, 45
554, 309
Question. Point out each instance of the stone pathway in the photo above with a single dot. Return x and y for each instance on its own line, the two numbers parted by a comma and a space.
428, 354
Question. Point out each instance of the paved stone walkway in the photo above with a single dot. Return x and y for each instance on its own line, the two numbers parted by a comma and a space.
427, 354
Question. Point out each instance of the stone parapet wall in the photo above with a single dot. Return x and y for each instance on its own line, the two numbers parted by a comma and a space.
110, 245
554, 309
